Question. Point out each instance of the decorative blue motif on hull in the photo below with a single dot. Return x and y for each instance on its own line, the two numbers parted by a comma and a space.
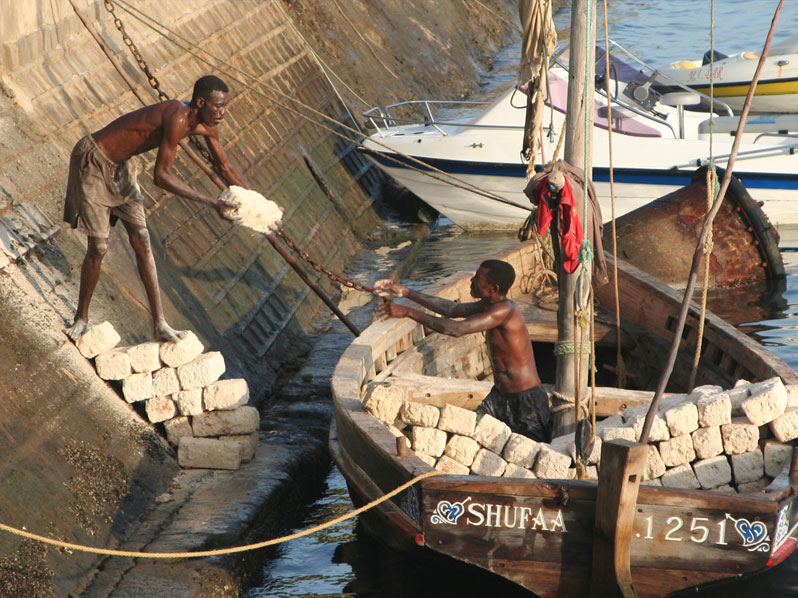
448, 512
754, 534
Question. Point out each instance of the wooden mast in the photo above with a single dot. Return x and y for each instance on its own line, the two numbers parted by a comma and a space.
577, 138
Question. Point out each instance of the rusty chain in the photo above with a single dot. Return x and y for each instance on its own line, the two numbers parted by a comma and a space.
156, 85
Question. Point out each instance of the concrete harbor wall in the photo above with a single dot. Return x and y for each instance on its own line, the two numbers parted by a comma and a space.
80, 464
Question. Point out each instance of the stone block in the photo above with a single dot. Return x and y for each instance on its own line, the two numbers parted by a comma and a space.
181, 352
681, 476
226, 423
726, 489
777, 457
714, 410
430, 460
713, 472
753, 487
491, 433
249, 444
704, 391
655, 466
614, 421
113, 365
137, 387
785, 427
462, 449
419, 414
202, 371
767, 401
383, 403
189, 402
514, 471
566, 445
145, 357
655, 482
677, 451
737, 395
707, 442
160, 409
520, 450
225, 394
682, 419
740, 436
97, 340
165, 382
457, 420
659, 429
488, 463
627, 433
176, 428
551, 464
449, 465
209, 453
792, 395
431, 441
748, 467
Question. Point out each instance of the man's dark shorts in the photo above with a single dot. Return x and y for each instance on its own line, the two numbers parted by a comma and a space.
526, 412
99, 191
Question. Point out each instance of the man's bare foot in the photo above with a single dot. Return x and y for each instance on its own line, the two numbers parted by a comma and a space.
78, 328
165, 333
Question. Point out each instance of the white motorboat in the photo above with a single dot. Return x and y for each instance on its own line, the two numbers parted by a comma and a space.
776, 91
469, 168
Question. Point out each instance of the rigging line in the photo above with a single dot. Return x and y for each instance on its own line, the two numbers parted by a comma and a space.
449, 179
365, 41
498, 16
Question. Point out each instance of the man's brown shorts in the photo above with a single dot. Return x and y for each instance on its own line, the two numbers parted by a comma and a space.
99, 191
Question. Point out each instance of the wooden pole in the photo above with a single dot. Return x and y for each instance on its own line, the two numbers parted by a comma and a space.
580, 102
289, 259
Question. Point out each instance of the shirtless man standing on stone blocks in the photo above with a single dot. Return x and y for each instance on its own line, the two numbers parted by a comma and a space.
102, 186
516, 397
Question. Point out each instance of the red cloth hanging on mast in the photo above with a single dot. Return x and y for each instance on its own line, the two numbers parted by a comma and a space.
570, 228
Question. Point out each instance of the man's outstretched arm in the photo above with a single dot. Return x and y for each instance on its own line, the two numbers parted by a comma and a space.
227, 170
493, 316
451, 309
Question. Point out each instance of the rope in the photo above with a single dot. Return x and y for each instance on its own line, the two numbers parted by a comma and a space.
220, 551
499, 16
426, 169
365, 41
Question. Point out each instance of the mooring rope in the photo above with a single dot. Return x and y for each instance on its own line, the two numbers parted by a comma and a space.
220, 551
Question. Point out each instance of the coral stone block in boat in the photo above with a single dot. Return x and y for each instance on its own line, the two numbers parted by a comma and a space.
225, 394
514, 471
677, 451
113, 365
182, 351
145, 357
189, 402
681, 476
706, 390
713, 472
521, 451
165, 382
462, 449
740, 436
428, 459
209, 453
737, 395
97, 340
748, 466
777, 456
707, 442
383, 403
792, 395
566, 445
202, 371
753, 487
766, 402
682, 419
659, 429
137, 387
419, 414
488, 463
785, 428
620, 433
551, 464
457, 420
160, 409
655, 466
492, 433
449, 465
176, 428
226, 423
714, 410
249, 444
431, 441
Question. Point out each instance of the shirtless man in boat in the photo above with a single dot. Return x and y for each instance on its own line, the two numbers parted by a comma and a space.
102, 186
516, 397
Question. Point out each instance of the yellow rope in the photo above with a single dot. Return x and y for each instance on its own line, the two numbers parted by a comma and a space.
220, 551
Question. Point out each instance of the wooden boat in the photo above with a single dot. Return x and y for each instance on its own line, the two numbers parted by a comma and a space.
682, 538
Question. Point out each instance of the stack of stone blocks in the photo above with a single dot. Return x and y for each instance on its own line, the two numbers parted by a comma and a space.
206, 418
734, 440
